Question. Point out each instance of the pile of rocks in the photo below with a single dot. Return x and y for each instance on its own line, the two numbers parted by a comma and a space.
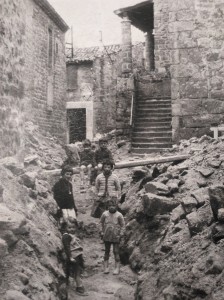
29, 238
175, 231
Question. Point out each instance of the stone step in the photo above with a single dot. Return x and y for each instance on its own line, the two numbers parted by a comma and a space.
149, 116
152, 128
152, 145
153, 100
148, 134
142, 151
143, 97
147, 120
152, 110
152, 124
151, 140
153, 105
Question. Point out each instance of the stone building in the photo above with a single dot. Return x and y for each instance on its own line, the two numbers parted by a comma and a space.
184, 54
32, 71
98, 94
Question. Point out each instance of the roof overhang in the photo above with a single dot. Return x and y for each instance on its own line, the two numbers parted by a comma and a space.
140, 15
51, 12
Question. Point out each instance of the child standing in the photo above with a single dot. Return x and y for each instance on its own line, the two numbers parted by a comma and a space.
74, 256
107, 187
112, 223
87, 161
103, 153
63, 194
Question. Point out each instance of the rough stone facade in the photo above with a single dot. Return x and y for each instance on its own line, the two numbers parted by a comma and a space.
189, 45
26, 94
12, 60
101, 82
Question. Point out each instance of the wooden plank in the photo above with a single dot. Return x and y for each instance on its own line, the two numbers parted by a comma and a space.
152, 161
130, 164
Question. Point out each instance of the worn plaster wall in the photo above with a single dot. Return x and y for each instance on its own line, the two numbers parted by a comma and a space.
12, 60
189, 45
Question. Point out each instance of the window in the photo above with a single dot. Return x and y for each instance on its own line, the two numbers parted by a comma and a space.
50, 48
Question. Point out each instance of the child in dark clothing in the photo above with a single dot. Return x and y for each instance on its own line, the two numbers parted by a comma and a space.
112, 223
103, 153
63, 194
87, 160
74, 256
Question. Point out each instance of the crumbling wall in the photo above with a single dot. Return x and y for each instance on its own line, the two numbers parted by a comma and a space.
189, 45
12, 35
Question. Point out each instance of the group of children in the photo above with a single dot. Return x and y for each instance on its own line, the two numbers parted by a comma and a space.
105, 207
89, 159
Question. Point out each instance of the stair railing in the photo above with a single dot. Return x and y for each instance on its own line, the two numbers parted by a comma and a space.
133, 108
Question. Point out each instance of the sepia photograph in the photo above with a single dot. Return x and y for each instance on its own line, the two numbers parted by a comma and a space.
112, 149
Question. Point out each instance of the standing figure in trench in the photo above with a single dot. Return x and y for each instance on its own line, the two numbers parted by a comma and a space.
103, 154
87, 162
63, 195
74, 256
112, 225
107, 187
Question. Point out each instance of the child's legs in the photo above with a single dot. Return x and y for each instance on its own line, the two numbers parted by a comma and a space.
82, 170
116, 252
77, 276
107, 250
89, 169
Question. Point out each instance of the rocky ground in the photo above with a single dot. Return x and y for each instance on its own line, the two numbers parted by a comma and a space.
173, 244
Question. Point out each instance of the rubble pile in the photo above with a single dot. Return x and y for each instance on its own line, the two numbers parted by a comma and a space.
29, 238
174, 236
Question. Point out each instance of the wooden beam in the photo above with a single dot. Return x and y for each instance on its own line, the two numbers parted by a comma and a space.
129, 164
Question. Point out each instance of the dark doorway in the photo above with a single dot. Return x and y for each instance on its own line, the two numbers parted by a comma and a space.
76, 124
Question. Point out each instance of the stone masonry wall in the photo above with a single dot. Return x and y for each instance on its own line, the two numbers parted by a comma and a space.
189, 44
24, 74
12, 59
50, 119
111, 91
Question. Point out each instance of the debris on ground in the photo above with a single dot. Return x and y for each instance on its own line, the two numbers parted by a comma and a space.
174, 212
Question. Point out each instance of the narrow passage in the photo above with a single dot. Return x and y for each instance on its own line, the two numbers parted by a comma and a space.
99, 286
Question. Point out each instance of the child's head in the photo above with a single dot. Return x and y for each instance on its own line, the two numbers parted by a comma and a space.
112, 206
86, 144
67, 172
107, 166
70, 226
103, 143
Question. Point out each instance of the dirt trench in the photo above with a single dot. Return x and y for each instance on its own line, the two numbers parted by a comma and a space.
98, 285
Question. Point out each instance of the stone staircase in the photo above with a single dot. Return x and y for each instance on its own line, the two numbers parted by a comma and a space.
152, 130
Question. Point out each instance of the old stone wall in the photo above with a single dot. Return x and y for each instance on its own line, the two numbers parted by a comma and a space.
45, 89
101, 82
12, 59
189, 45
24, 74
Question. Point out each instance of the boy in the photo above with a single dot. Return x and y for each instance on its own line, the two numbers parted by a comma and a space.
107, 186
103, 153
87, 161
63, 194
74, 256
112, 223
